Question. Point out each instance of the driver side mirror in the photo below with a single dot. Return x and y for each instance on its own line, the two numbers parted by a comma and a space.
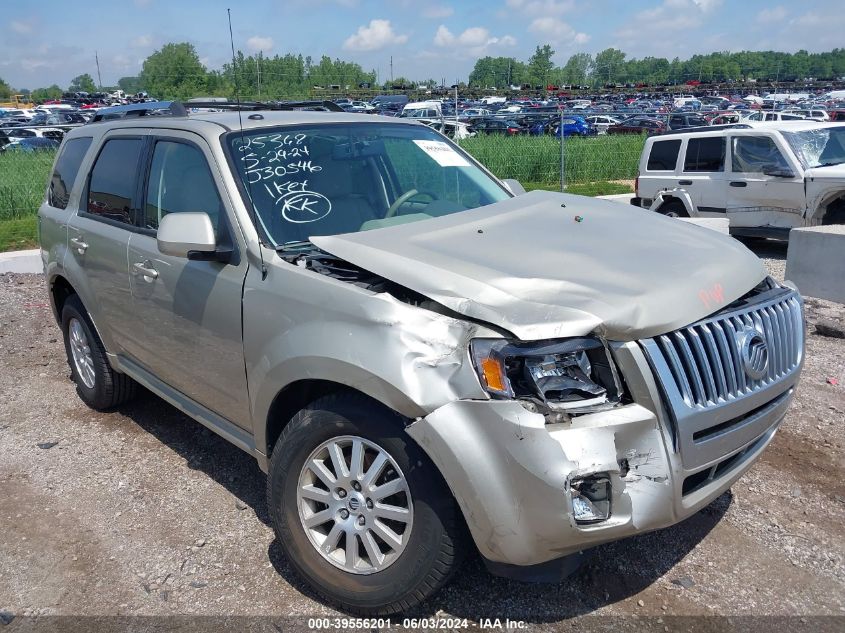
188, 235
514, 186
778, 172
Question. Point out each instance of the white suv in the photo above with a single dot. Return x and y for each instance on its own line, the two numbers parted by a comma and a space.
766, 178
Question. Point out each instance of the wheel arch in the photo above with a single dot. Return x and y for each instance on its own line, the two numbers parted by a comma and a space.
60, 290
297, 395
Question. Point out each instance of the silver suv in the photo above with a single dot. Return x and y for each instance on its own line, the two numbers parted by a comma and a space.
420, 359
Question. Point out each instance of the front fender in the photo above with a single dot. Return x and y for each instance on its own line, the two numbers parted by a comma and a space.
410, 359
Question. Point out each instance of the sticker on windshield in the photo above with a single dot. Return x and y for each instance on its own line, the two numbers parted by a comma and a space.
443, 155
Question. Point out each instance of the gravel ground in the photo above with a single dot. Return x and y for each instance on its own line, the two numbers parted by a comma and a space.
142, 511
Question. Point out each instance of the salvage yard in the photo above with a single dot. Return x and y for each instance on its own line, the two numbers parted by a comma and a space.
141, 511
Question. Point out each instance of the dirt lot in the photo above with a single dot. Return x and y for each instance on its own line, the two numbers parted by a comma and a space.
143, 512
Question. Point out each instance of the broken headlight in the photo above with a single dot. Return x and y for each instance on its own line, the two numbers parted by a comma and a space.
574, 375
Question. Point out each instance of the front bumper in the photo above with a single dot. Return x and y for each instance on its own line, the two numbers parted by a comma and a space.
510, 471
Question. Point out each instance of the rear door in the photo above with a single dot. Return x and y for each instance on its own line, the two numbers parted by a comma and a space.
755, 199
703, 174
99, 234
186, 314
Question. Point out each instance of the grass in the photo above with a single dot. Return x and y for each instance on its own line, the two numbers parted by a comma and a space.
590, 165
19, 234
601, 188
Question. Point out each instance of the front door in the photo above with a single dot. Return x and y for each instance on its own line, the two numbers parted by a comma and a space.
759, 200
186, 313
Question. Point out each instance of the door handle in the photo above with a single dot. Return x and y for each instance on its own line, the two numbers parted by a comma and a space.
738, 183
150, 274
80, 244
685, 182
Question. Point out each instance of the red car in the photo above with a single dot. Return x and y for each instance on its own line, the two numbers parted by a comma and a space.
638, 125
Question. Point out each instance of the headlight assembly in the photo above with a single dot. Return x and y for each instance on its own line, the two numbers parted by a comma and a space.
573, 375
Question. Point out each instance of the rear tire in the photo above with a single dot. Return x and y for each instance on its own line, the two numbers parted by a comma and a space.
673, 209
98, 385
431, 529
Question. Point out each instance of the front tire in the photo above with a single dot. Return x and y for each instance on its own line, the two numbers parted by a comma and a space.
98, 385
360, 511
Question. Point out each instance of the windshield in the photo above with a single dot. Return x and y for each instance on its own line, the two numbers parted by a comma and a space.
822, 147
343, 178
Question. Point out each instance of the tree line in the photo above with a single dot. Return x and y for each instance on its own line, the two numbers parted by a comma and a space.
176, 72
613, 67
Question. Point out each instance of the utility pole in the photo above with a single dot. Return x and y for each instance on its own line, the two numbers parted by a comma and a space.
99, 79
258, 72
391, 71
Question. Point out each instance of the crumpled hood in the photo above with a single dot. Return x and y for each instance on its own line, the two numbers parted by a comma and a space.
530, 266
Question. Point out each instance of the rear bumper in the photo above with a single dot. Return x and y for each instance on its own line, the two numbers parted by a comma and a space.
510, 471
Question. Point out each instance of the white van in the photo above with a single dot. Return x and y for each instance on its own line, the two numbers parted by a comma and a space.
423, 110
766, 178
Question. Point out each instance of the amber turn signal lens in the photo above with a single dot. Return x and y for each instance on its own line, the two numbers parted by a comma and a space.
494, 374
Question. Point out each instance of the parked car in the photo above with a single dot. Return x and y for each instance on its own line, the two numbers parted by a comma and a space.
638, 125
423, 363
498, 126
32, 144
766, 178
726, 119
813, 114
685, 120
602, 122
573, 125
768, 115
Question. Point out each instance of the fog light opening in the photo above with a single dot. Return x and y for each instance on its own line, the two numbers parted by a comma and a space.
590, 498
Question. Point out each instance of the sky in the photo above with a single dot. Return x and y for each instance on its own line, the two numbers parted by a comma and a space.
52, 41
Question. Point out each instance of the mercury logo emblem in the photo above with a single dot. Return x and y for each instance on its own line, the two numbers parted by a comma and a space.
754, 353
354, 503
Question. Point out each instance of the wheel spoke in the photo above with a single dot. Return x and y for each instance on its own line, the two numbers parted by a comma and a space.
372, 549
332, 538
316, 494
375, 470
356, 468
319, 468
351, 549
338, 461
394, 513
390, 488
318, 518
387, 535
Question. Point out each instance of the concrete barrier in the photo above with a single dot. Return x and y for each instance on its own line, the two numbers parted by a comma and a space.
815, 261
722, 225
21, 262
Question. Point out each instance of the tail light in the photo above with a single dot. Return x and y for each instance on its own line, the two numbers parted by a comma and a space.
637, 185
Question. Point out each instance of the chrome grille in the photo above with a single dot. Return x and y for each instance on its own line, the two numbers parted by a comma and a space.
705, 359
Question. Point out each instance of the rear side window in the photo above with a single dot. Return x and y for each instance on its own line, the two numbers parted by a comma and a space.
113, 180
705, 154
67, 168
664, 155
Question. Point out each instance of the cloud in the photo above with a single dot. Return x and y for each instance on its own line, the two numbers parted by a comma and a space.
257, 43
539, 8
377, 35
23, 28
557, 31
707, 5
476, 40
142, 41
437, 11
775, 14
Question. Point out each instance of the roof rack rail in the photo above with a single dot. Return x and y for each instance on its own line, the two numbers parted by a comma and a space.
326, 106
708, 128
150, 108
